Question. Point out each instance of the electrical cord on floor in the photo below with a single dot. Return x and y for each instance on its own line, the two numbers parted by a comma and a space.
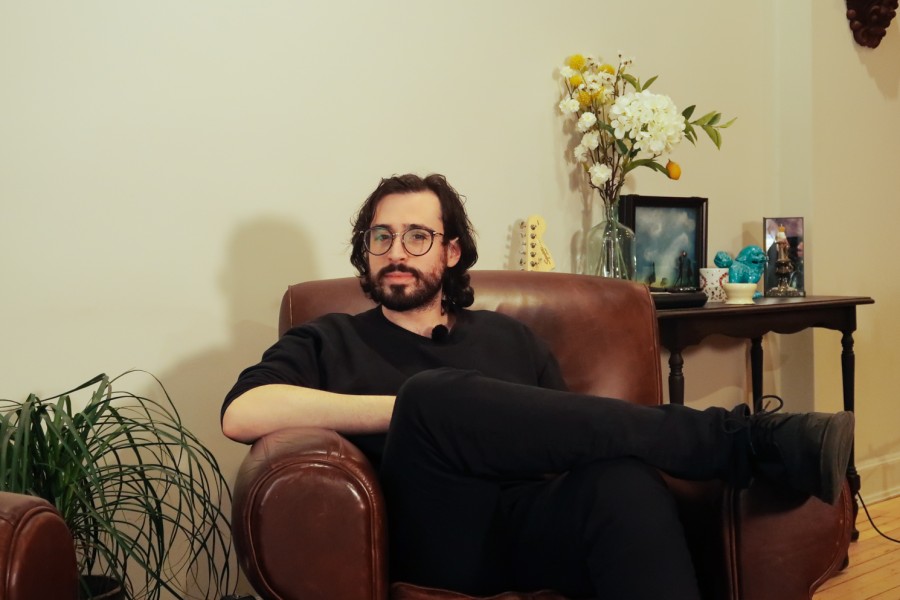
874, 526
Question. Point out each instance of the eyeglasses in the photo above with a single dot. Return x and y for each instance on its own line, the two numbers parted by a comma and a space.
416, 241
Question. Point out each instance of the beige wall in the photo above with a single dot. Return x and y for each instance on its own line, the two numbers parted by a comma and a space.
167, 168
855, 180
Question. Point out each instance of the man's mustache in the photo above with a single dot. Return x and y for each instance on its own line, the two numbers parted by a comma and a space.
398, 268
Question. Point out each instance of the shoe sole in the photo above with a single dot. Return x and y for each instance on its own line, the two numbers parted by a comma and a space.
837, 443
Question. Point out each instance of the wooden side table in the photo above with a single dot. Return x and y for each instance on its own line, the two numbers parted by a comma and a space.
683, 327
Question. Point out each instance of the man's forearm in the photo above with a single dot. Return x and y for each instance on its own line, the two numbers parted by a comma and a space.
270, 408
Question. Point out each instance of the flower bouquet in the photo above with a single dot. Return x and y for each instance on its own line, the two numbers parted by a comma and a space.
622, 126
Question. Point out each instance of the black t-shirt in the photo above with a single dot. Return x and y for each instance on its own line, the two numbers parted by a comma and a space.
367, 354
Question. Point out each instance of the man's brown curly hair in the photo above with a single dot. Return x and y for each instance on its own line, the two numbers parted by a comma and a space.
456, 289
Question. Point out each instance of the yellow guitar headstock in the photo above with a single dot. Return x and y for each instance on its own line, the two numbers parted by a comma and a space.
536, 255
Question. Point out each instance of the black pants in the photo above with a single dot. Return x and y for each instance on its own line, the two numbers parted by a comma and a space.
471, 507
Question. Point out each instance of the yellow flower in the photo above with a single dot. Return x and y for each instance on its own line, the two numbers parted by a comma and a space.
673, 169
576, 80
607, 68
576, 61
584, 98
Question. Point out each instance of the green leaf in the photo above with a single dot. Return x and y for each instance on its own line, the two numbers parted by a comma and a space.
649, 82
686, 113
716, 118
705, 119
714, 135
728, 124
646, 162
632, 81
689, 133
606, 127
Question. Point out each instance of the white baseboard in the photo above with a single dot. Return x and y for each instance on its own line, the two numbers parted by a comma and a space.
880, 478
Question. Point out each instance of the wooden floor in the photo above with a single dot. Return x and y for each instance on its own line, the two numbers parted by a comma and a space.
874, 571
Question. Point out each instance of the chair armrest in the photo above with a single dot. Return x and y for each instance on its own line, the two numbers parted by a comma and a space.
37, 554
784, 545
308, 518
763, 542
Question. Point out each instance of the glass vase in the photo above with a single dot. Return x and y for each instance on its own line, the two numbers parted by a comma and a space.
610, 246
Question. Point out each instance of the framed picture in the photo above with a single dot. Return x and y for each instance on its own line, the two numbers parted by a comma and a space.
792, 257
669, 238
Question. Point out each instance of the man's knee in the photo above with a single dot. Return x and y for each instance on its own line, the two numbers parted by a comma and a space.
426, 390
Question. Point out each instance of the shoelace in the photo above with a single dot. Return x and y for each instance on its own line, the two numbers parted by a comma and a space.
765, 409
762, 434
735, 423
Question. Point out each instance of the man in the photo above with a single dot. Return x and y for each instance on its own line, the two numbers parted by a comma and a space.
464, 414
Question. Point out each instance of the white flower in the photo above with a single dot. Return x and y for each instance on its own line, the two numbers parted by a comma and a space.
567, 72
591, 140
599, 174
586, 121
581, 153
651, 121
569, 106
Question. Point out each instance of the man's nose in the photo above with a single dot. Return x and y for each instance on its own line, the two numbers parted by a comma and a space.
397, 251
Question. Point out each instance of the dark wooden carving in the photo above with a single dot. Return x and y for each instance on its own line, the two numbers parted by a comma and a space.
869, 20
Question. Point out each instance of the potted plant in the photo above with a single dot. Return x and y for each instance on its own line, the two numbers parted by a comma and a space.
139, 492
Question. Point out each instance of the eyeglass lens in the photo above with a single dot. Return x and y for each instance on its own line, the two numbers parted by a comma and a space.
415, 241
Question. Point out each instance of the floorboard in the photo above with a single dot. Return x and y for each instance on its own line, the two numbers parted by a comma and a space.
874, 571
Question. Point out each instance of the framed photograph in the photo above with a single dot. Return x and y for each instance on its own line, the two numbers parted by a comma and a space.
669, 237
784, 271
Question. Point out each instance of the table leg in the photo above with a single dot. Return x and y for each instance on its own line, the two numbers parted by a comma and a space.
848, 375
676, 377
756, 372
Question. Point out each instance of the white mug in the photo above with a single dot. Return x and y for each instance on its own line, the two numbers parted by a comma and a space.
711, 280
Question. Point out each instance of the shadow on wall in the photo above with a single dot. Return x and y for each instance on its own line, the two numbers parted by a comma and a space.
883, 71
263, 257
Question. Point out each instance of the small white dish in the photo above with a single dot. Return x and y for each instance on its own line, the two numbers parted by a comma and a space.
739, 293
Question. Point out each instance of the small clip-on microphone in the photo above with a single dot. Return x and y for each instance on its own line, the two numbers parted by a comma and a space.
440, 333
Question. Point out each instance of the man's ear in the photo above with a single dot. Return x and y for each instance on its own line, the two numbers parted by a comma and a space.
453, 252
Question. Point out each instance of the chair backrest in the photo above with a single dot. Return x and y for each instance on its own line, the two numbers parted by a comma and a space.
602, 331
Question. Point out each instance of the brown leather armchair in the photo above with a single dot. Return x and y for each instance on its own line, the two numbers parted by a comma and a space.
37, 554
308, 514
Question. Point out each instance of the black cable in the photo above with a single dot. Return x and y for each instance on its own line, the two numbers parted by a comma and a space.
874, 526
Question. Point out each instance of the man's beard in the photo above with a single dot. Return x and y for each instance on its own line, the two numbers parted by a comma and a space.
406, 297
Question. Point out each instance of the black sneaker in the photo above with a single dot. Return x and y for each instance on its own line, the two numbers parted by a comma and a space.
808, 452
